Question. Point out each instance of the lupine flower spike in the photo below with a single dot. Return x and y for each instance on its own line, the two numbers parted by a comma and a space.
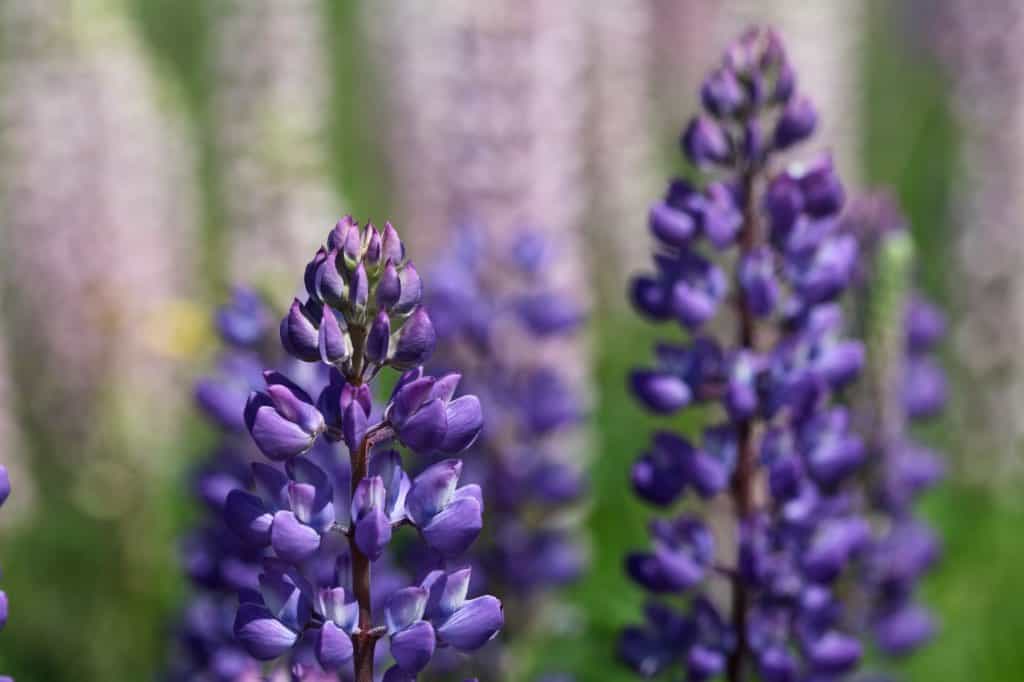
317, 601
751, 262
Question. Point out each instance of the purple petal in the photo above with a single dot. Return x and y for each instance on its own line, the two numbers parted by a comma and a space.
465, 421
796, 123
328, 280
222, 402
834, 653
391, 245
334, 608
408, 397
354, 425
275, 436
379, 338
333, 341
247, 516
271, 484
388, 289
263, 636
411, 289
373, 533
432, 490
405, 607
5, 485
901, 632
473, 625
661, 392
291, 539
413, 646
359, 288
286, 596
425, 430
455, 528
670, 225
299, 335
444, 387
447, 592
333, 647
416, 340
293, 403
369, 495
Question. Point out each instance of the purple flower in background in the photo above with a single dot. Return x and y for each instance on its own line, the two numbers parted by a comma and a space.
905, 384
218, 562
776, 366
499, 317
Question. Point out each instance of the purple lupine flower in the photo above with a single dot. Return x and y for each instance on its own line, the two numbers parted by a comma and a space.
428, 418
906, 384
218, 561
499, 319
320, 524
775, 378
449, 518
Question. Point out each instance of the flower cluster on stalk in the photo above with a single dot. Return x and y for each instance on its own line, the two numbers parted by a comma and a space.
310, 525
751, 262
496, 312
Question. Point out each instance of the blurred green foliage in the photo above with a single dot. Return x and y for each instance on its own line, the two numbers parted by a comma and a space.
91, 599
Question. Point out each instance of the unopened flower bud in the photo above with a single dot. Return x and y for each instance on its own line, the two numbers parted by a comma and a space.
722, 93
329, 283
299, 334
338, 236
335, 344
372, 257
359, 289
796, 123
416, 341
389, 288
309, 276
411, 289
704, 142
391, 245
372, 527
379, 338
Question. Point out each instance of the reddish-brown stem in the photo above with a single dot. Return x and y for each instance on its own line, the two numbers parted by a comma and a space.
365, 641
742, 486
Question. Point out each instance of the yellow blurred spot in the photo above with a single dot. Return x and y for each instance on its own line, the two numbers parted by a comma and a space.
178, 329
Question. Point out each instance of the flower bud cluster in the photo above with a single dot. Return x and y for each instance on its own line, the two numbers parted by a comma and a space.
496, 312
751, 263
319, 534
